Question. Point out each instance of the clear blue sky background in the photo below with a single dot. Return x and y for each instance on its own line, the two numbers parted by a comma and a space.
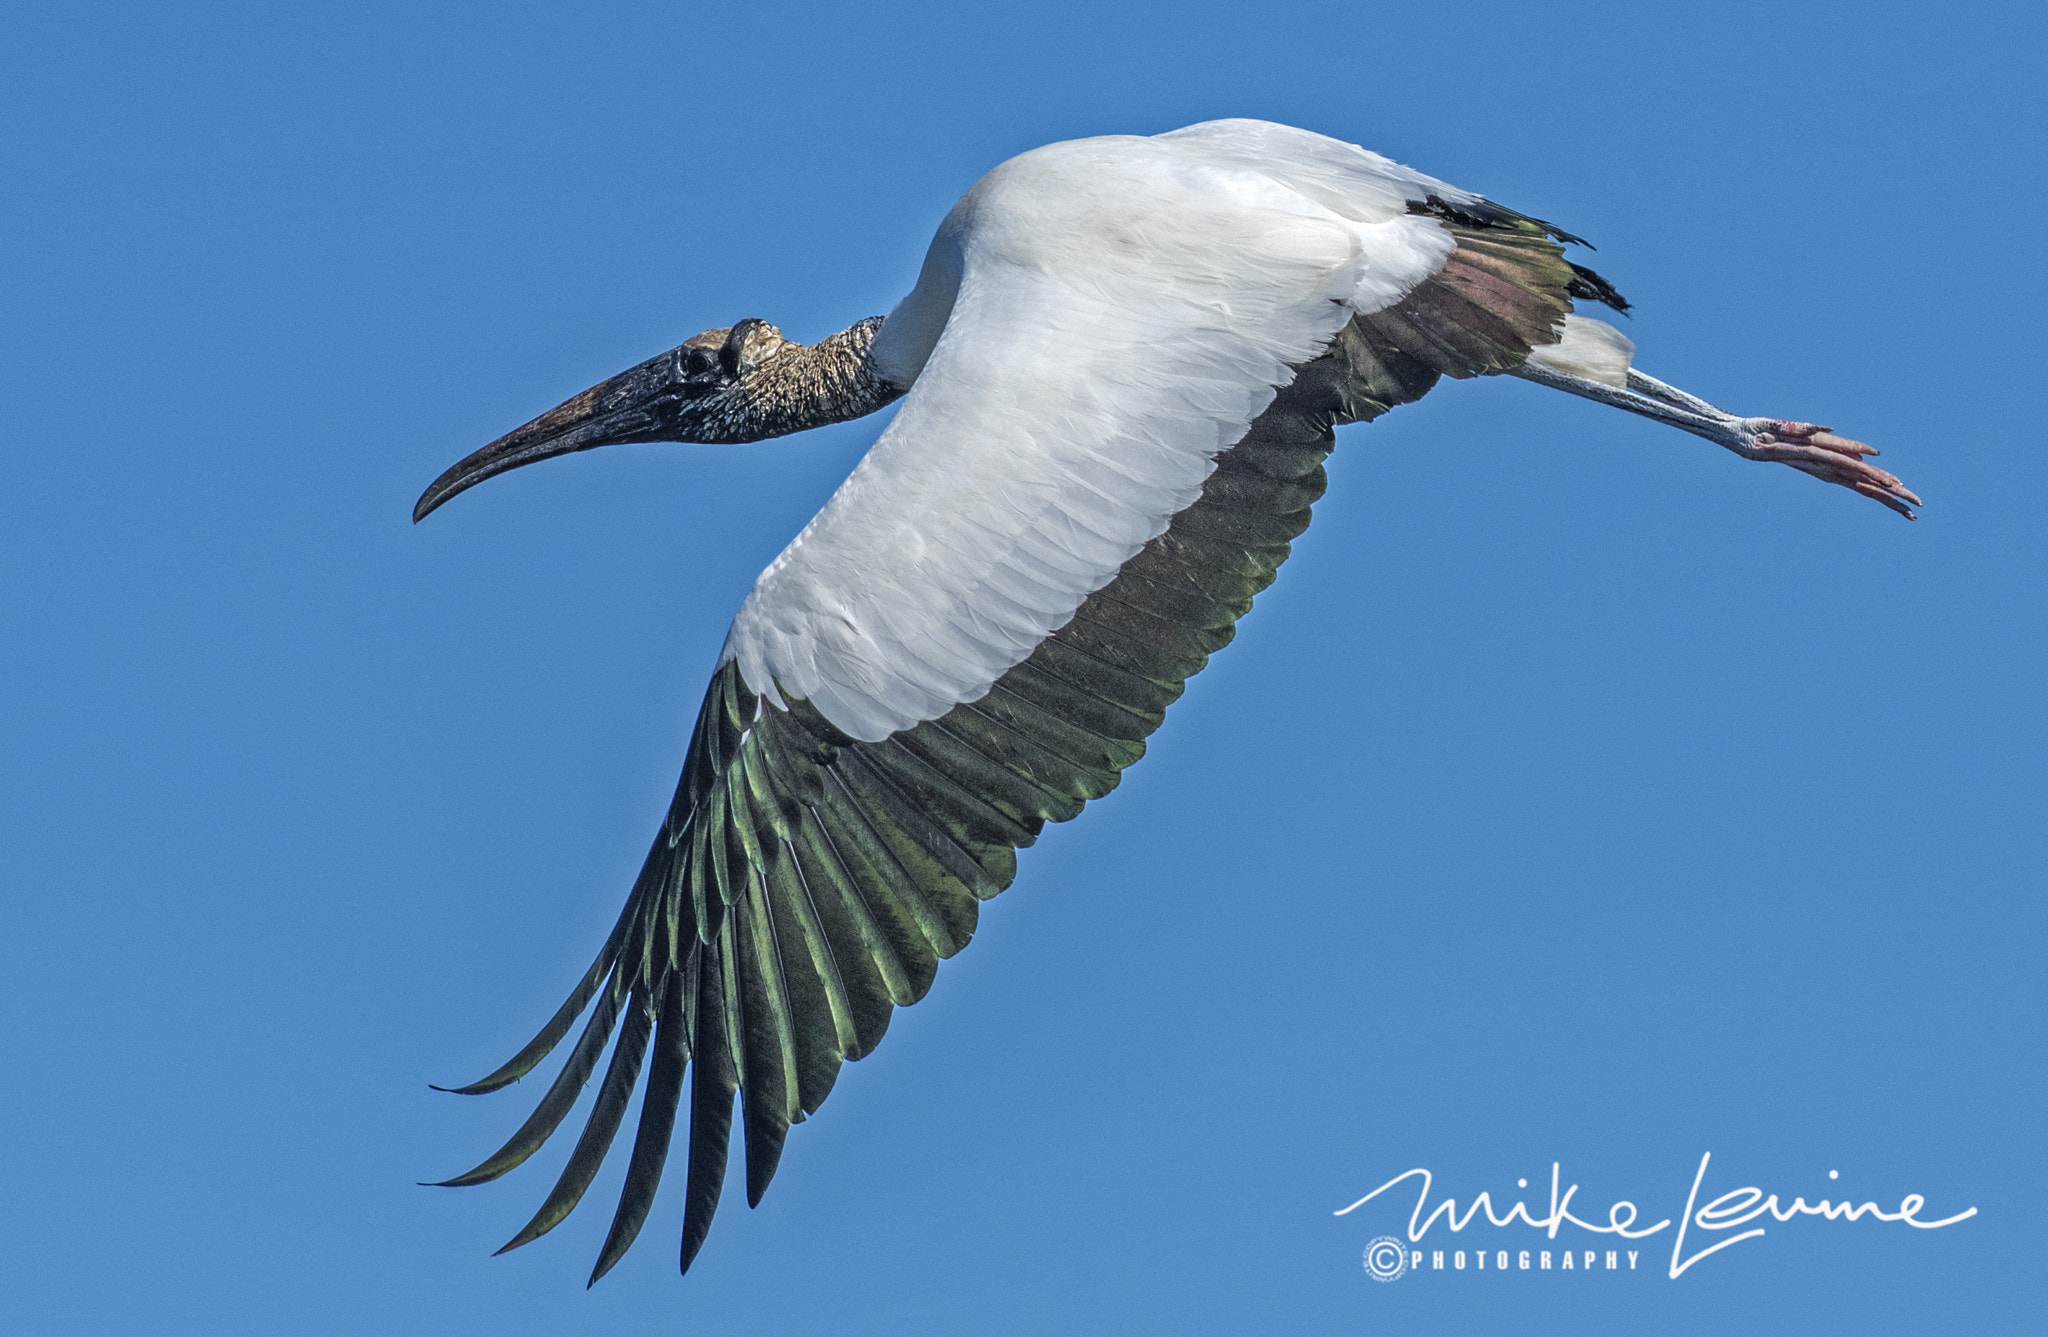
1579, 794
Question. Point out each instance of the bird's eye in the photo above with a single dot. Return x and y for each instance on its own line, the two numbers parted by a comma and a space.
698, 361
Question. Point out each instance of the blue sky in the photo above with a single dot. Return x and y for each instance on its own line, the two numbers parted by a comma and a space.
1580, 794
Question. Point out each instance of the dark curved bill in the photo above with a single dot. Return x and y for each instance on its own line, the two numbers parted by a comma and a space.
636, 405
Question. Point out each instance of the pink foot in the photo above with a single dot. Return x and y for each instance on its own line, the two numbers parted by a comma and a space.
1834, 459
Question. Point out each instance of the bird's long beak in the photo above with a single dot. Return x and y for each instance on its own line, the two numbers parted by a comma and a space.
636, 405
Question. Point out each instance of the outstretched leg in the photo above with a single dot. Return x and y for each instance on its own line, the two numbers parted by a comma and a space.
1803, 445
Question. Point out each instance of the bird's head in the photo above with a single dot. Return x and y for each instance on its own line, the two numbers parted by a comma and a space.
741, 383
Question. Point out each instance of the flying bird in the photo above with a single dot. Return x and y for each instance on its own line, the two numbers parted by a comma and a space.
1119, 369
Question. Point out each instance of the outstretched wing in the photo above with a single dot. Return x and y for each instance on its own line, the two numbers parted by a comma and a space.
863, 771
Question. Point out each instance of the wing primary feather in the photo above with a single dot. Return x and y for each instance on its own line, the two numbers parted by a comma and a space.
599, 1130
665, 1075
745, 801
814, 1031
558, 1025
714, 1079
824, 961
764, 933
731, 1005
846, 906
768, 1079
560, 1097
719, 838
700, 869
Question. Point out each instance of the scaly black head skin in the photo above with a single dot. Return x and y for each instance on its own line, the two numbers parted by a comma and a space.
736, 384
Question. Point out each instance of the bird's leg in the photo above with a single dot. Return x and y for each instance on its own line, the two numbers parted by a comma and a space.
1803, 445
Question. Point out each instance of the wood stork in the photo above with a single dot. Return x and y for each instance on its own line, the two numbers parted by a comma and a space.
1120, 367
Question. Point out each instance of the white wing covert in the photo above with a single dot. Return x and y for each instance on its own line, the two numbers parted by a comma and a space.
1123, 310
